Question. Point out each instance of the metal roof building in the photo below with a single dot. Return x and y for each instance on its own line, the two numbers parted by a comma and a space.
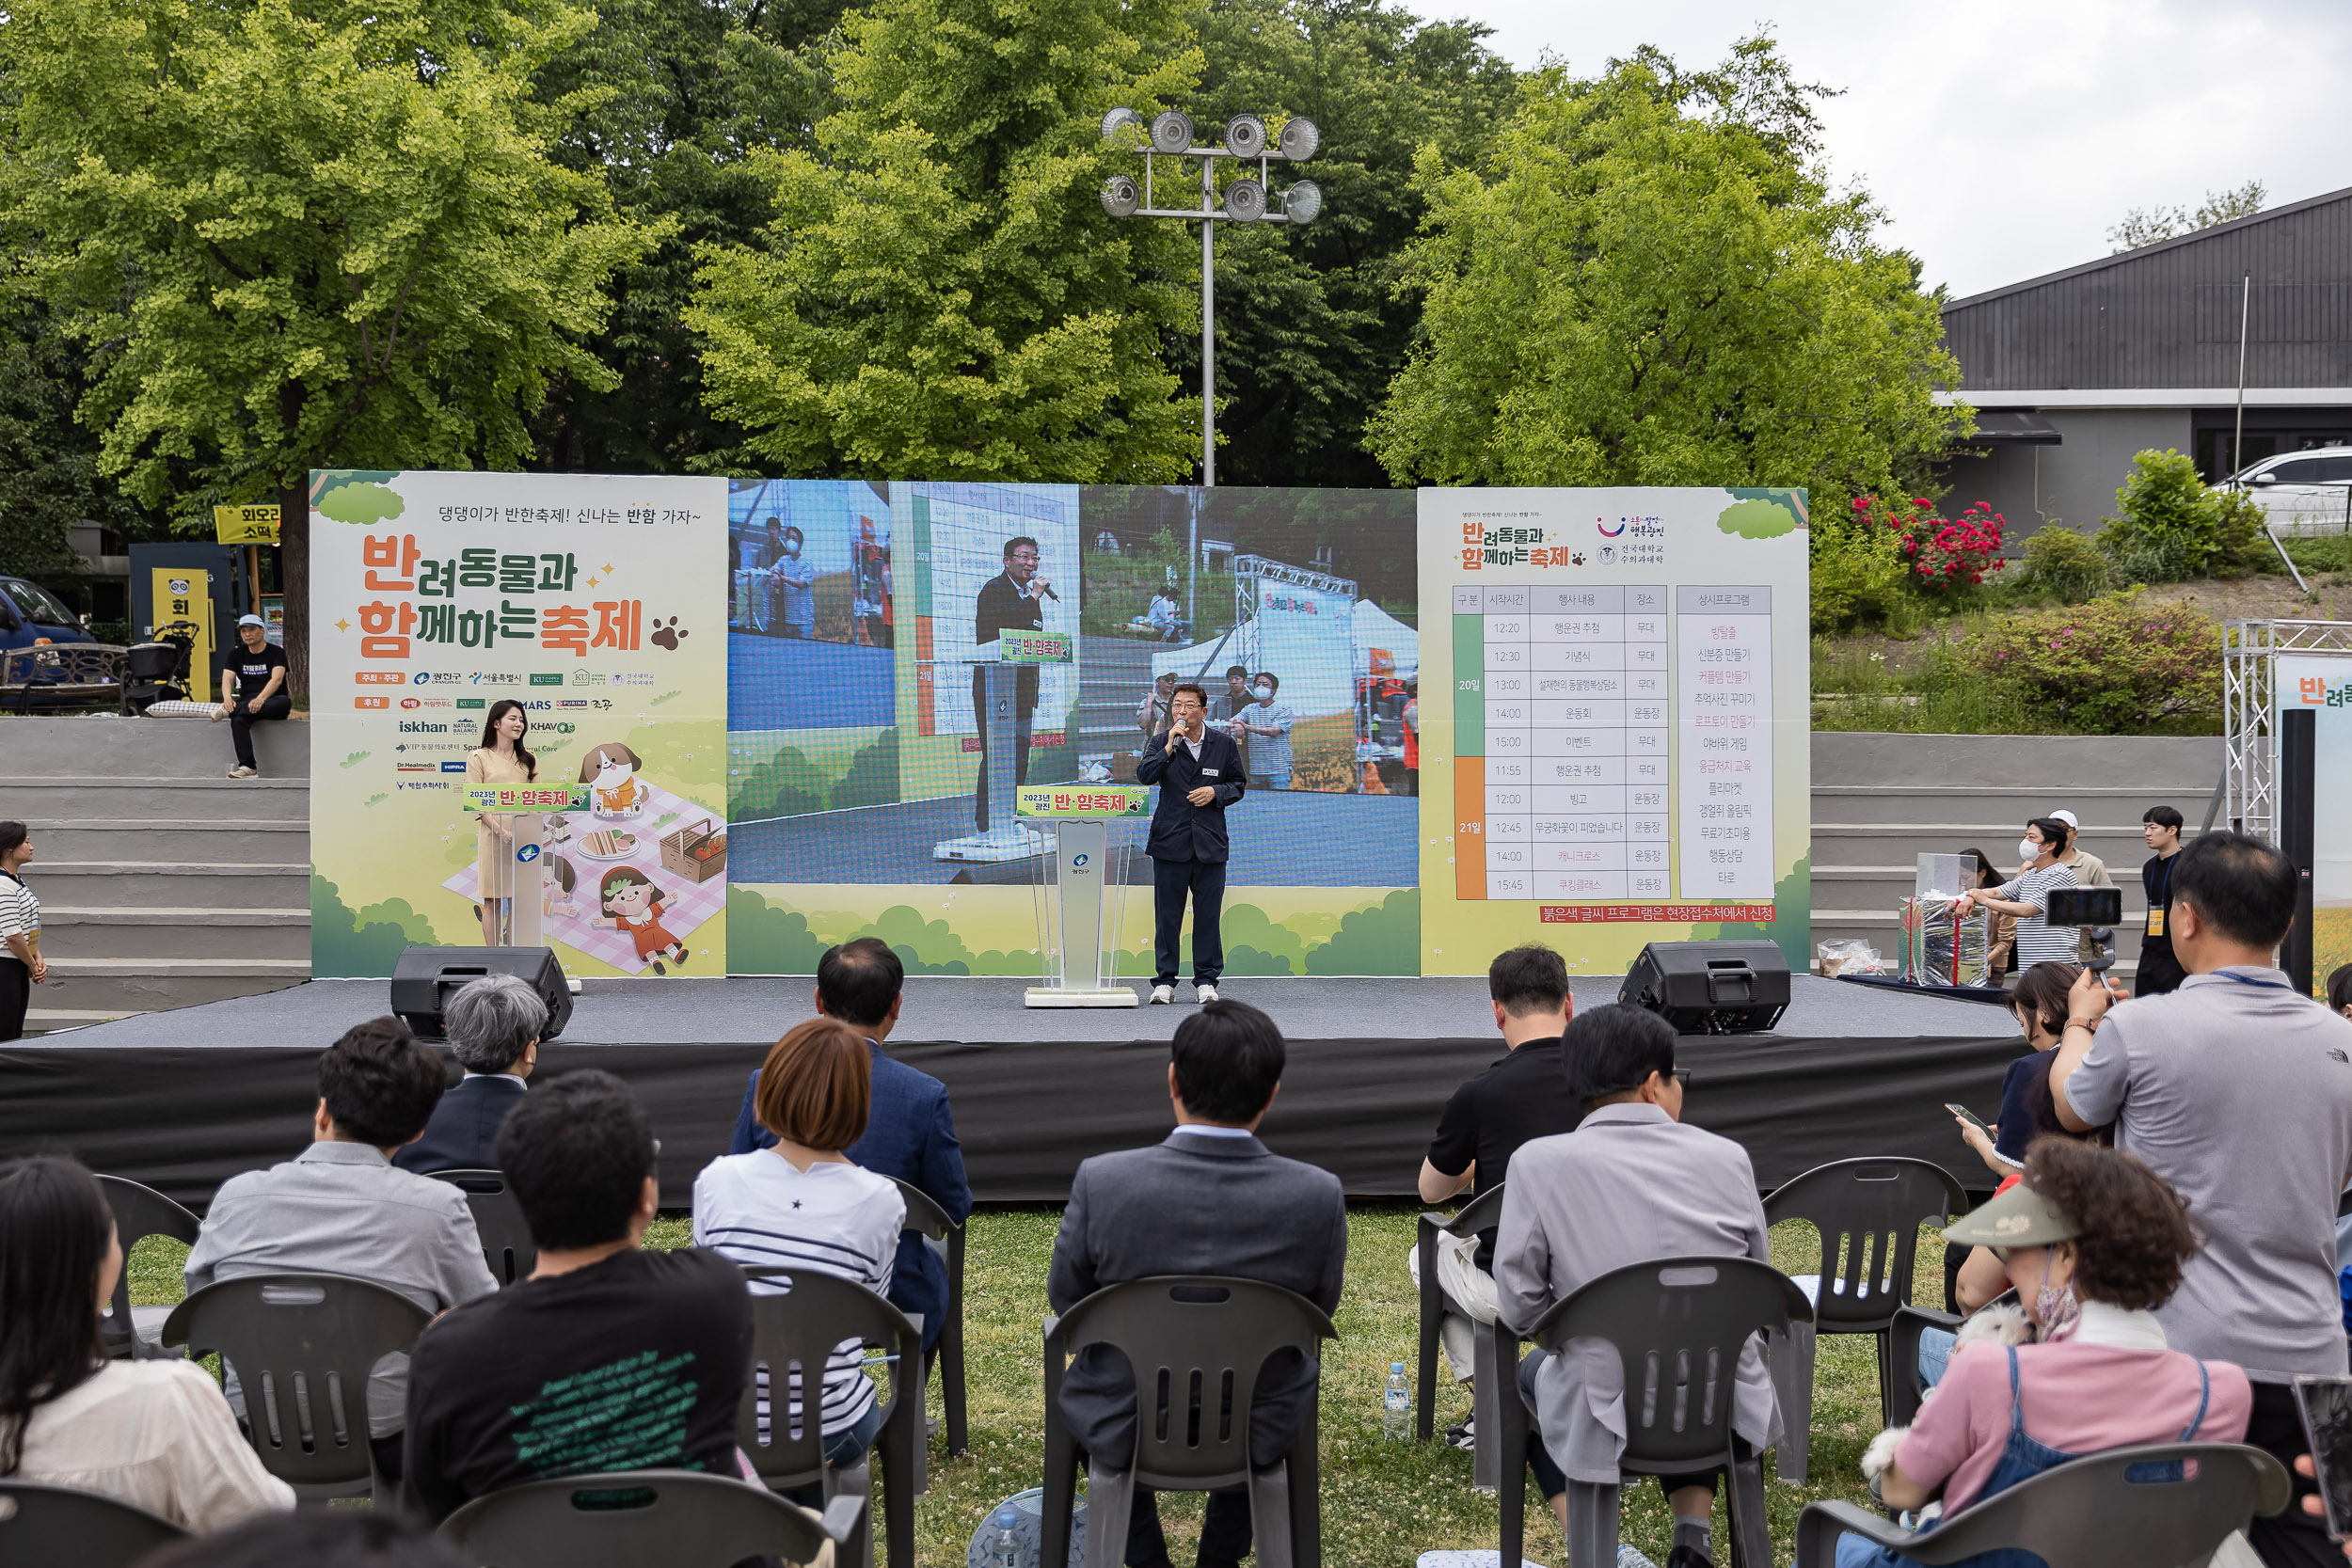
2075, 371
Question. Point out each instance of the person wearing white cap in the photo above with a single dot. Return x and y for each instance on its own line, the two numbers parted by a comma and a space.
252, 681
2090, 871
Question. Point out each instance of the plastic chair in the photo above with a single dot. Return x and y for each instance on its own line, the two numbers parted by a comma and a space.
2169, 1504
1904, 1394
1687, 1319
90, 1530
799, 1328
506, 1244
1211, 1335
139, 1212
932, 1220
1868, 1213
1481, 1214
643, 1519
302, 1346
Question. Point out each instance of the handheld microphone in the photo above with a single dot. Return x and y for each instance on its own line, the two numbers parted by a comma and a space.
1050, 593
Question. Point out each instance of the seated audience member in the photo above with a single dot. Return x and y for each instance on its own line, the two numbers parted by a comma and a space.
608, 1357
1211, 1200
1632, 1183
1522, 1095
342, 1538
2340, 989
910, 1130
2239, 1092
2024, 895
802, 1204
341, 1206
494, 1025
2095, 1241
156, 1434
2039, 1005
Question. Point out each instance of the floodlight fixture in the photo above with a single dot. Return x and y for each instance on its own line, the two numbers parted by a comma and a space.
1119, 196
1118, 119
1299, 139
1244, 200
1303, 202
1244, 136
1172, 131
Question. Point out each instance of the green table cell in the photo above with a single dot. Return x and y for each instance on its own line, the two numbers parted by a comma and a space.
1469, 685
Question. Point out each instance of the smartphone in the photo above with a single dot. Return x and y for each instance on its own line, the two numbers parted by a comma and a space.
1964, 1114
2326, 1403
2085, 906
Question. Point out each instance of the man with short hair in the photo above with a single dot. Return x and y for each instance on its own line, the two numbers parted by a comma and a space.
341, 1206
1633, 1183
1522, 1095
2090, 871
252, 686
607, 1357
909, 1129
2239, 1091
1226, 711
1211, 1200
2158, 970
1198, 771
1011, 601
493, 1025
1268, 726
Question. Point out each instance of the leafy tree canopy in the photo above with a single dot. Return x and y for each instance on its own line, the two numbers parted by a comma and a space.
2148, 225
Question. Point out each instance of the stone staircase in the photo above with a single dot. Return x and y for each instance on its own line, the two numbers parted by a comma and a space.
163, 883
1882, 801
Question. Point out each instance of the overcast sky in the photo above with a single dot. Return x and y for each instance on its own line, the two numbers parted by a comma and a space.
2003, 139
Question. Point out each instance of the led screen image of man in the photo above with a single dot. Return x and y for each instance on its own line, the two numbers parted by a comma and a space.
1011, 601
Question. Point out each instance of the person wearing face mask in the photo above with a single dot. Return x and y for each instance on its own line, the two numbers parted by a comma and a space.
1268, 725
2026, 895
795, 581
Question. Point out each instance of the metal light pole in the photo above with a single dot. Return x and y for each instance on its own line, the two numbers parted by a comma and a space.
1246, 200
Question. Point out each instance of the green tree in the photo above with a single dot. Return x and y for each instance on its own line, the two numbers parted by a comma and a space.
1652, 284
2150, 225
307, 235
49, 478
939, 292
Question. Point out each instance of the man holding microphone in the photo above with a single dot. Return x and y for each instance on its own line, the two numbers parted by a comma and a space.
1200, 773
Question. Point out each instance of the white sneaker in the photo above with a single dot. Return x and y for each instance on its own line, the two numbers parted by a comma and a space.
1162, 995
1204, 994
241, 772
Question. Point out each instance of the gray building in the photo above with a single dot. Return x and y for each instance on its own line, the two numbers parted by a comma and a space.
2075, 372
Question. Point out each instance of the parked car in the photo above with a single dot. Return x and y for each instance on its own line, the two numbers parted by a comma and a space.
2301, 493
29, 614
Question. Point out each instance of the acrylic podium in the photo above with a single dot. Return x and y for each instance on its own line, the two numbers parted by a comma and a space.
518, 874
1004, 836
1079, 891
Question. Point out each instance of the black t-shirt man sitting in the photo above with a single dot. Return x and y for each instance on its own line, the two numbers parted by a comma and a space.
252, 686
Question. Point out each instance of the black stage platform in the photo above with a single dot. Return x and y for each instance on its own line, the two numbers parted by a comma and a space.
184, 1099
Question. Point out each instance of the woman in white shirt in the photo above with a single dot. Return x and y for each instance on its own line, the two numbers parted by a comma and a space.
156, 1434
804, 1205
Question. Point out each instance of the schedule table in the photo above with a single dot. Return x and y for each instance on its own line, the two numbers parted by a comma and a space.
1566, 727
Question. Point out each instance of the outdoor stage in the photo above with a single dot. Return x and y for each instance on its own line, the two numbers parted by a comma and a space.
184, 1099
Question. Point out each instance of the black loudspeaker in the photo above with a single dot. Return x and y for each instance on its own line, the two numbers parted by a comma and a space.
1710, 988
426, 978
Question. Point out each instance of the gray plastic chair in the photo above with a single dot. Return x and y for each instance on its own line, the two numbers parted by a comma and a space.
799, 1328
1904, 1394
643, 1519
302, 1346
139, 1212
932, 1220
61, 1524
2166, 1505
1679, 1326
1868, 1213
1480, 1213
1208, 1334
498, 1219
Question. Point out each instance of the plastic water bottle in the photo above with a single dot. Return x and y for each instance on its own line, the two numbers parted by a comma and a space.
1006, 1552
1396, 1405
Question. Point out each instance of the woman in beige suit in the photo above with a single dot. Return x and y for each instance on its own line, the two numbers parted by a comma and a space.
501, 759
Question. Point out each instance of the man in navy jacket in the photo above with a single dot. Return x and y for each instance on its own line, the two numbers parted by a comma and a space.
910, 1130
1199, 770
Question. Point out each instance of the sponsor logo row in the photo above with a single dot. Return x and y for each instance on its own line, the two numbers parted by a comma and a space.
485, 677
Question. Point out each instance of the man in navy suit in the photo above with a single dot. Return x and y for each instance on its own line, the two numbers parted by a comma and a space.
493, 1025
1199, 770
909, 1132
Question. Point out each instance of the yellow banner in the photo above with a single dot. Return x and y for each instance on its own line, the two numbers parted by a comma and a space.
245, 525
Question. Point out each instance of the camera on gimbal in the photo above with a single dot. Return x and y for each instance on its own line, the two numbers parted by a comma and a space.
2096, 910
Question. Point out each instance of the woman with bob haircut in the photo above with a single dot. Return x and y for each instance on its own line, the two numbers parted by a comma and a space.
155, 1434
804, 1205
2094, 1241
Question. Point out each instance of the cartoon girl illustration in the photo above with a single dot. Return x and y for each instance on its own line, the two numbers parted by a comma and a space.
634, 903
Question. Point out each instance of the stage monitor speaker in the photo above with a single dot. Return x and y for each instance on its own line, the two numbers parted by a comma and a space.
426, 978
1710, 988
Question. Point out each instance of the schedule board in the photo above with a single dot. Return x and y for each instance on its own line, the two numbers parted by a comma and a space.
1616, 688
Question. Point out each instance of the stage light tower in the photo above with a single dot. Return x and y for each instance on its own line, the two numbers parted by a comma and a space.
1246, 200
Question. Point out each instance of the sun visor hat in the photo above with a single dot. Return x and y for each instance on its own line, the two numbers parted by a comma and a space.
2019, 1217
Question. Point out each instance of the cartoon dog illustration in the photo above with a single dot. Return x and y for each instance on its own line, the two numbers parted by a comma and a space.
634, 904
609, 771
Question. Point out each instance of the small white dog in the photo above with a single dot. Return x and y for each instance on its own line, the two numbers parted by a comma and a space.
1995, 1325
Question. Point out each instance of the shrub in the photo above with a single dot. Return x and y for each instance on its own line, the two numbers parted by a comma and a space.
2063, 564
1944, 557
2175, 526
1859, 574
2115, 666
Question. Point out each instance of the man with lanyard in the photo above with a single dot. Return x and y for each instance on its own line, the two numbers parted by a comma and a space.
1013, 600
2159, 971
251, 678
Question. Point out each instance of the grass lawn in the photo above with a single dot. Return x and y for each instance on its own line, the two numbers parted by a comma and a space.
1383, 1503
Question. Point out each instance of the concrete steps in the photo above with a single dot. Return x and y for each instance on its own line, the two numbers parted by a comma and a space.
208, 840
121, 985
132, 883
161, 931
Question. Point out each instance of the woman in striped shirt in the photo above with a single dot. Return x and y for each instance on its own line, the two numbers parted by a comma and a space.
2027, 896
22, 967
804, 1205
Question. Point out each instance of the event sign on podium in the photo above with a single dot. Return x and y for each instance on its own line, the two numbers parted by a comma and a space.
518, 872
1004, 836
1078, 900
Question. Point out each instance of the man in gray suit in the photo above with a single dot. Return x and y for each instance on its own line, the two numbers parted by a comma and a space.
1629, 1185
1211, 1200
